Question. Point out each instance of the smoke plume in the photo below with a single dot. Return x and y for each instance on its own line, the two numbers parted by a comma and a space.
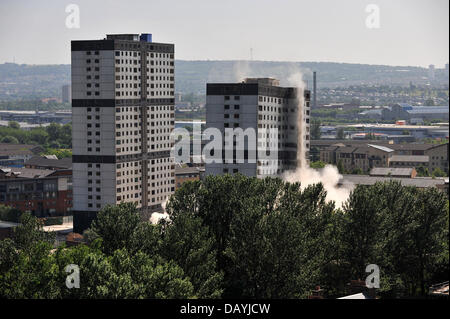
329, 175
155, 217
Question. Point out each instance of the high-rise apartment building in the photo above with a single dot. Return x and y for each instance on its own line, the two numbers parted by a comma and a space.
66, 93
122, 117
259, 104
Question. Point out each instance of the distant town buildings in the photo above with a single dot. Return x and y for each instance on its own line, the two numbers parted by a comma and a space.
123, 114
28, 118
42, 192
404, 111
186, 173
15, 155
431, 72
349, 180
258, 104
47, 162
366, 156
66, 93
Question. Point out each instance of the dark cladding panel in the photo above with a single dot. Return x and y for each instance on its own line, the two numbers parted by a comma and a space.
105, 159
93, 103
251, 89
231, 89
92, 45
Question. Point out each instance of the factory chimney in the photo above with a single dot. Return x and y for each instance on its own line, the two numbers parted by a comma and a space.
314, 90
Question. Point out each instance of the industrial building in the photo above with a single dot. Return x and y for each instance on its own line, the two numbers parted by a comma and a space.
35, 117
259, 104
404, 111
122, 117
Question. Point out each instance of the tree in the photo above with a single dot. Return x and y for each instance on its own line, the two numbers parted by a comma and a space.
402, 230
340, 167
235, 236
317, 164
187, 242
315, 129
266, 233
116, 226
39, 136
53, 131
340, 134
14, 125
30, 231
437, 172
10, 214
10, 140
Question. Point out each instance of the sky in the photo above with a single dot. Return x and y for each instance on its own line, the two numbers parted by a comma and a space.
409, 33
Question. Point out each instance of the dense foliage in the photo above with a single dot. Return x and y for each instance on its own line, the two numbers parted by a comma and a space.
54, 136
233, 236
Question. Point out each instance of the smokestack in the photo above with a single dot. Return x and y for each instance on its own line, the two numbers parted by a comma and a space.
314, 90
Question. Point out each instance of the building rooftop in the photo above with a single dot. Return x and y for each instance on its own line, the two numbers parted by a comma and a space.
361, 295
421, 182
19, 149
381, 148
385, 171
186, 170
43, 162
347, 149
22, 172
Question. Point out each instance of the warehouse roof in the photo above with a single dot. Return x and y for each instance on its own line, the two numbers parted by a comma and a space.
381, 148
43, 162
421, 182
392, 171
22, 172
186, 170
18, 149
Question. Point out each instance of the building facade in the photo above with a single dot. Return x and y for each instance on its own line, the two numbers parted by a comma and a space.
260, 105
122, 115
42, 192
358, 155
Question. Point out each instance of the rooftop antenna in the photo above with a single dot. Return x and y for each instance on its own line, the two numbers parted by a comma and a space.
251, 54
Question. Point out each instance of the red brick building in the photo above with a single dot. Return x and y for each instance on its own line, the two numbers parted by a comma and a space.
42, 192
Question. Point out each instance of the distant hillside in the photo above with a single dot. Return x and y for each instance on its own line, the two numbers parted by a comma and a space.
40, 81
23, 81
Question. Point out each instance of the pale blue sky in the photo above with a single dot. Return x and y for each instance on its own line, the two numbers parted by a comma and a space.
412, 32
